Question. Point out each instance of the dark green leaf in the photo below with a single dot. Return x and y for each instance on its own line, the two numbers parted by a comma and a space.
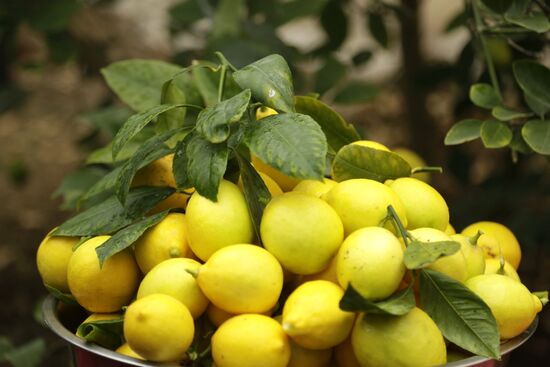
506, 114
336, 129
137, 122
362, 58
329, 75
457, 21
180, 164
537, 135
356, 92
295, 9
534, 80
463, 318
518, 8
291, 142
335, 23
214, 122
63, 297
398, 304
110, 216
206, 82
495, 134
421, 254
170, 120
270, 81
104, 185
53, 16
377, 29
108, 119
138, 82
498, 6
536, 22
183, 14
228, 19
5, 346
30, 354
463, 131
357, 161
206, 165
255, 191
107, 333
126, 237
518, 143
104, 155
76, 184
535, 105
483, 95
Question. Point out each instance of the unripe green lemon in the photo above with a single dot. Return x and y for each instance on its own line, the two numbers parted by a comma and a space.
250, 340
424, 206
303, 232
371, 259
52, 259
242, 279
159, 328
364, 203
492, 266
213, 225
473, 254
314, 187
411, 340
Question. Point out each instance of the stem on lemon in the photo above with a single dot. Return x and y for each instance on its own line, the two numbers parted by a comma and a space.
397, 224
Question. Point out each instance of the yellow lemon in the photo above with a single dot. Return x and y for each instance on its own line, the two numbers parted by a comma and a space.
127, 351
473, 254
314, 187
371, 259
167, 239
382, 340
52, 259
217, 316
424, 206
513, 306
450, 229
363, 203
285, 182
303, 232
104, 289
414, 160
312, 316
344, 354
303, 357
231, 279
371, 144
508, 243
171, 277
264, 112
250, 340
492, 266
213, 225
329, 273
271, 185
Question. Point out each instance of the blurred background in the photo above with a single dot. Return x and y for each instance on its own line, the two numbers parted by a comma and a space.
399, 70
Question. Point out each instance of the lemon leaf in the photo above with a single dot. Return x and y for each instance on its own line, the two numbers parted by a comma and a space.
171, 94
421, 254
107, 333
63, 297
291, 142
537, 135
336, 129
126, 237
357, 161
27, 355
399, 303
463, 317
484, 96
495, 134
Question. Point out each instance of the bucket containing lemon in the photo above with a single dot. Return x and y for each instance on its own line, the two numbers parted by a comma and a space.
274, 237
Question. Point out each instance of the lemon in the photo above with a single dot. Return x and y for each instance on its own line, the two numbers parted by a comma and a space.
242, 279
424, 206
167, 239
363, 203
329, 273
271, 185
303, 232
314, 187
508, 243
450, 229
250, 340
127, 351
414, 160
453, 265
52, 259
104, 289
371, 259
303, 357
513, 306
285, 182
408, 340
312, 316
171, 277
213, 225
344, 354
371, 144
492, 266
217, 316
473, 254
264, 112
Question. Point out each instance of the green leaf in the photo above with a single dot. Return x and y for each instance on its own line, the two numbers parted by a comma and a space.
76, 184
106, 333
377, 29
537, 135
537, 107
205, 80
170, 120
138, 82
214, 122
126, 237
104, 155
183, 14
356, 92
421, 254
110, 216
228, 19
206, 165
362, 57
534, 80
484, 96
463, 318
518, 8
536, 22
335, 24
331, 72
399, 303
336, 129
290, 10
291, 142
66, 298
357, 161
108, 119
459, 20
498, 6
505, 114
27, 355
495, 134
137, 122
463, 131
181, 162
270, 81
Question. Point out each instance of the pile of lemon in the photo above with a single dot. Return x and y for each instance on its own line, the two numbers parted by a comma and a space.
273, 297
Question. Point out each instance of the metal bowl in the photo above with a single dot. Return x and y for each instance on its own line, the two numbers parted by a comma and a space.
91, 355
